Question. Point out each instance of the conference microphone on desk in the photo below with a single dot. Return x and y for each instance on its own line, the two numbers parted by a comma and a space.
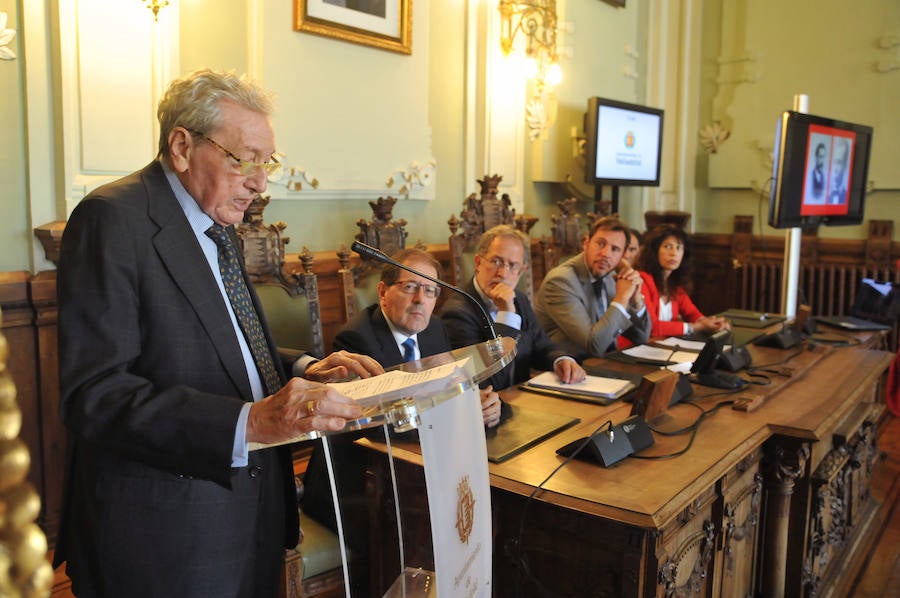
376, 254
736, 358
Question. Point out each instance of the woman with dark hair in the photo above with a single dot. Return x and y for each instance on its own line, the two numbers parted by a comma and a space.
665, 267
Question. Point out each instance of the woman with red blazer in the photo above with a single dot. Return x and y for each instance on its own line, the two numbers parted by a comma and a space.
665, 268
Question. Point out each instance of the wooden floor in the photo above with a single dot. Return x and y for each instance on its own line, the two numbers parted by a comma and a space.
881, 576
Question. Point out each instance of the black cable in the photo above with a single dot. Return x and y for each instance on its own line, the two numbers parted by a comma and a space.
516, 552
691, 428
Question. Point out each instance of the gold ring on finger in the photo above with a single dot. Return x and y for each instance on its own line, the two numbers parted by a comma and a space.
311, 407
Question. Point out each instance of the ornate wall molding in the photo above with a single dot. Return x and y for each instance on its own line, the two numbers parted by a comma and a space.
6, 37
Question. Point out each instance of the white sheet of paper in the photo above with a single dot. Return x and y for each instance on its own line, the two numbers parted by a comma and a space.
660, 354
674, 341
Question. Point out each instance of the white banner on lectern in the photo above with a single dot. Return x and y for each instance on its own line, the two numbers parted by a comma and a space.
459, 495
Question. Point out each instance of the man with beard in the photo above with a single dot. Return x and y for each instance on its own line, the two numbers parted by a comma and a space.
586, 302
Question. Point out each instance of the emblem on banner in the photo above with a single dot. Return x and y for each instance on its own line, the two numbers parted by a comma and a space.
465, 510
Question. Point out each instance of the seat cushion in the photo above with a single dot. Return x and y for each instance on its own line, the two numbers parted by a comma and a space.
319, 549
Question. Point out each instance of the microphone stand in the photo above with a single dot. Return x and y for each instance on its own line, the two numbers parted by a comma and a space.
376, 254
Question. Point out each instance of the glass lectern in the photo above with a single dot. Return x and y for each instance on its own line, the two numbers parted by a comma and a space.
438, 397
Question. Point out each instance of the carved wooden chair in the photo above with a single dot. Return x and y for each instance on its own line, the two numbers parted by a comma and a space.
479, 213
314, 566
567, 230
358, 283
291, 304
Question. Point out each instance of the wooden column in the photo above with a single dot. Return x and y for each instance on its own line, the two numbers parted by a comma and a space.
785, 467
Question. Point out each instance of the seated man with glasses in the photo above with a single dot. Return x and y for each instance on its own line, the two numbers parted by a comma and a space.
499, 261
397, 329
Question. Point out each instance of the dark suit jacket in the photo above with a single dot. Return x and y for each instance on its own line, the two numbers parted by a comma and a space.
152, 381
534, 349
368, 333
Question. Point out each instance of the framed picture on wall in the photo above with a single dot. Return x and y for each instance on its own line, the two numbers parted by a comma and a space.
384, 24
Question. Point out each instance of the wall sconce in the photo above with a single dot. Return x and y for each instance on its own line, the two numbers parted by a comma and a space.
532, 23
155, 5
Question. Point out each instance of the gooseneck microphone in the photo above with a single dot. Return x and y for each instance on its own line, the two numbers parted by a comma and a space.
376, 254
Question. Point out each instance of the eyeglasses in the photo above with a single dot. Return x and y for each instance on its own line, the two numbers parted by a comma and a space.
411, 288
501, 264
246, 167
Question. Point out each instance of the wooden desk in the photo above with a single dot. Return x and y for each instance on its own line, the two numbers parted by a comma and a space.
771, 501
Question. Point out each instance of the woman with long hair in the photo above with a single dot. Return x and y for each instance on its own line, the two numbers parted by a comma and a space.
665, 267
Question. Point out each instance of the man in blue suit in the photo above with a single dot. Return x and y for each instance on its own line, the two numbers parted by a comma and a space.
168, 370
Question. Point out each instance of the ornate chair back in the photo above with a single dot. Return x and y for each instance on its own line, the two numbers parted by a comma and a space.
479, 213
290, 303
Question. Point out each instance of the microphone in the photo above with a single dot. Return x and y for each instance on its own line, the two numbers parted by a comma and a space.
378, 255
736, 358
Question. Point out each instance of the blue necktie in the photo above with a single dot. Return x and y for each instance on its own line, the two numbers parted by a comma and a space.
239, 296
409, 350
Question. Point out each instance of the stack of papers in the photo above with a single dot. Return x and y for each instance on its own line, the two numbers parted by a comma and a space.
593, 388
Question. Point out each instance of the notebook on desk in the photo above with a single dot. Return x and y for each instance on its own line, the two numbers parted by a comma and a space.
875, 307
523, 429
745, 318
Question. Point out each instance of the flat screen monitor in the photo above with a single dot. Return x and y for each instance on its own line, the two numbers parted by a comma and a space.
623, 143
819, 171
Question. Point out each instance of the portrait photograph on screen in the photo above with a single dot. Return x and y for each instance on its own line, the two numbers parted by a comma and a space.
623, 143
829, 159
819, 172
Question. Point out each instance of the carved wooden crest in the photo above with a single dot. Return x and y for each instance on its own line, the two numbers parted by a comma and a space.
382, 232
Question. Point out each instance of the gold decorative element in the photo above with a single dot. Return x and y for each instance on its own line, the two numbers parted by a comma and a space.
343, 23
24, 569
713, 135
6, 36
293, 178
532, 24
155, 5
465, 510
416, 176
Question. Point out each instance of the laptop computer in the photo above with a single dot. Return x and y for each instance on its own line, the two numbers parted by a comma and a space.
875, 307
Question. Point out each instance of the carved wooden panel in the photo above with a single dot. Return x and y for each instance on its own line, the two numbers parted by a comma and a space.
686, 550
738, 559
840, 500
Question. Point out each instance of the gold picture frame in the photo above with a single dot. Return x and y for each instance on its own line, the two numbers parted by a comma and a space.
383, 24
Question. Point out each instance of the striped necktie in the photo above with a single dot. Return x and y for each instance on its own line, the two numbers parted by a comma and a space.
409, 350
237, 292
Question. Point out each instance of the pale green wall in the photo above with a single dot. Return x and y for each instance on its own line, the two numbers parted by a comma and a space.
15, 230
601, 32
785, 67
307, 219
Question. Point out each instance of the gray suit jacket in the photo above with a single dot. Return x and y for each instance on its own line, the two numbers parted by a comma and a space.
152, 381
569, 312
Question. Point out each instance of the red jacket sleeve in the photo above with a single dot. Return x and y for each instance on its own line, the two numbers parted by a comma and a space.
683, 309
